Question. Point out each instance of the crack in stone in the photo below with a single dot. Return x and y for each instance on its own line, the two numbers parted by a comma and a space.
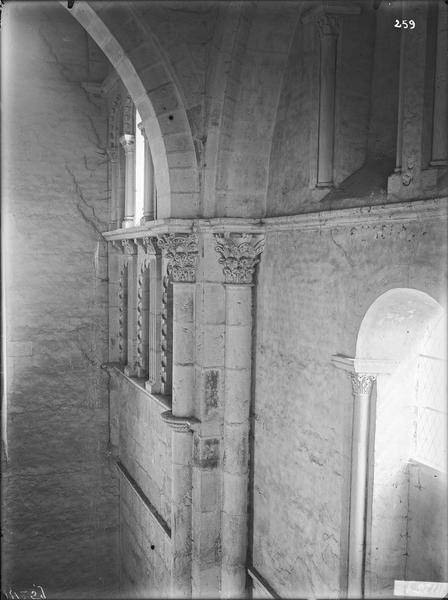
94, 222
341, 248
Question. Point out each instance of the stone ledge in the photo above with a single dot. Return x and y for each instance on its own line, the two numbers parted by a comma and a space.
146, 501
261, 584
414, 210
163, 401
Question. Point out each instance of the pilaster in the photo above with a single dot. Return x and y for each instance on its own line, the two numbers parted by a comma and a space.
406, 182
114, 156
439, 150
328, 26
238, 256
130, 253
181, 252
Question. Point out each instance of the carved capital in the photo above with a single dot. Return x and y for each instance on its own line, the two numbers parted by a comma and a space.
116, 245
328, 25
128, 142
182, 254
179, 424
239, 255
148, 244
362, 384
129, 247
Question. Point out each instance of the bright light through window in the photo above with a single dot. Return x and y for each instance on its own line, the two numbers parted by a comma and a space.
139, 169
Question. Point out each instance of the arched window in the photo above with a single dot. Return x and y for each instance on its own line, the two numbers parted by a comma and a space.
406, 527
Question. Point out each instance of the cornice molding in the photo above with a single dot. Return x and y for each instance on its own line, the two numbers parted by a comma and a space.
397, 212
366, 366
330, 8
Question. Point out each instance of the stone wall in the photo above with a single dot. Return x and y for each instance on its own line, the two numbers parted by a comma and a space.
314, 289
60, 490
427, 558
142, 443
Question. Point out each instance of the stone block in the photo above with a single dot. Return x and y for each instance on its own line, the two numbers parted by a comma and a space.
154, 76
164, 98
236, 448
210, 302
237, 386
206, 493
238, 347
210, 346
235, 493
209, 386
206, 452
183, 303
19, 349
183, 180
238, 305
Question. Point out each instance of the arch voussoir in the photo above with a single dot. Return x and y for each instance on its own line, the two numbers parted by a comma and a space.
159, 103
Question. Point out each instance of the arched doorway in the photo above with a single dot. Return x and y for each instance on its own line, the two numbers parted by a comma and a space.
406, 528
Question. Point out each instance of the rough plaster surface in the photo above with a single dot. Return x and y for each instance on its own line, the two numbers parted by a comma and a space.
60, 491
314, 289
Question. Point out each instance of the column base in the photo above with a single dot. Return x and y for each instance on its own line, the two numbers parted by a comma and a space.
127, 222
152, 387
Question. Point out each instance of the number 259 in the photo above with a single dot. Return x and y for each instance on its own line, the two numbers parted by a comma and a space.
405, 24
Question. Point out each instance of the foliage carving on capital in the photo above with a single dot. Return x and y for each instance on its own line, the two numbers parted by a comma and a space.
361, 383
328, 25
148, 244
182, 254
129, 247
239, 255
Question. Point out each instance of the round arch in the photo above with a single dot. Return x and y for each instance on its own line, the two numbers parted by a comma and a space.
399, 329
172, 202
395, 322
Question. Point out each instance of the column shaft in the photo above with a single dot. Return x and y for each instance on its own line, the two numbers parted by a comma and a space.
149, 187
358, 487
155, 290
439, 154
327, 88
114, 184
181, 487
238, 343
132, 317
183, 348
128, 142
